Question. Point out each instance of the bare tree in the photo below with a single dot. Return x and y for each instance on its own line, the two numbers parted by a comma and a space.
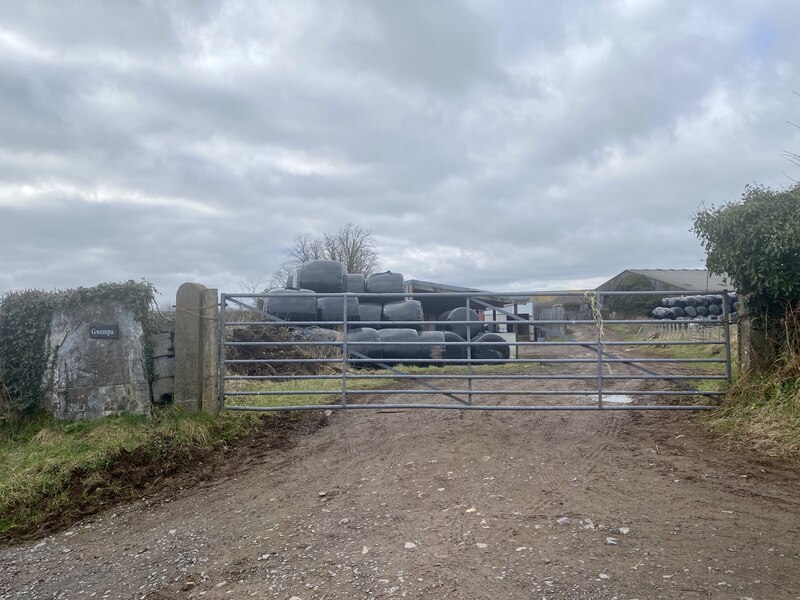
306, 247
355, 247
252, 286
351, 244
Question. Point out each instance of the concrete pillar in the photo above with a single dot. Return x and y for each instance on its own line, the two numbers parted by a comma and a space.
188, 388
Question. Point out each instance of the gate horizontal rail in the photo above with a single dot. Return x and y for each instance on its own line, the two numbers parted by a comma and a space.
320, 352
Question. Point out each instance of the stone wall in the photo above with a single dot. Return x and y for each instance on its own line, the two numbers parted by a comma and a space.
88, 375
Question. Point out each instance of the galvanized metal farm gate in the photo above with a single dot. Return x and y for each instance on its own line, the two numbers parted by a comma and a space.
600, 369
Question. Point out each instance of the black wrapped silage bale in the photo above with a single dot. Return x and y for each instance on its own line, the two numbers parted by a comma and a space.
354, 283
364, 334
500, 350
659, 312
461, 314
690, 311
689, 302
702, 311
433, 348
457, 354
291, 305
406, 310
714, 310
291, 281
407, 353
678, 312
371, 312
331, 308
385, 283
323, 276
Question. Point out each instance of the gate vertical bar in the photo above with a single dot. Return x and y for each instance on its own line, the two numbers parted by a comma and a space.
223, 305
726, 315
344, 350
598, 321
469, 355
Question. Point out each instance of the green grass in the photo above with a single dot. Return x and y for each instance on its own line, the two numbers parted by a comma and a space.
50, 468
762, 413
334, 386
298, 386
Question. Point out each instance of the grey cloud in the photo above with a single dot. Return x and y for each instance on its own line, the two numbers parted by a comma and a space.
529, 144
415, 43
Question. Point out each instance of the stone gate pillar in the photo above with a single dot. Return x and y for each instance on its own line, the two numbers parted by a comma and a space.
196, 348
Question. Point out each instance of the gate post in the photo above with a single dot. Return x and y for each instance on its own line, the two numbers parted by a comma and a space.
196, 348
209, 327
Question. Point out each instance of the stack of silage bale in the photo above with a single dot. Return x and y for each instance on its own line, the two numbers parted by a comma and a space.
702, 308
388, 318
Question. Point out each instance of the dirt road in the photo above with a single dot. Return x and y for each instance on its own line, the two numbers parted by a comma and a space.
448, 505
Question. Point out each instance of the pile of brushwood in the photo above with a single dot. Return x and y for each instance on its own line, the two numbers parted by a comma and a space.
284, 347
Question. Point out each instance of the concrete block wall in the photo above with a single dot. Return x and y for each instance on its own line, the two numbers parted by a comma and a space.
163, 346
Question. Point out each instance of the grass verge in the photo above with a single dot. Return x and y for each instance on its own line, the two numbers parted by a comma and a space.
54, 472
761, 412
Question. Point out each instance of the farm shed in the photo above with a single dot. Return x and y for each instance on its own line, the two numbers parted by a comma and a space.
433, 307
693, 281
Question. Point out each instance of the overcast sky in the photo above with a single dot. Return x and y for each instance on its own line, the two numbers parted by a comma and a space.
509, 146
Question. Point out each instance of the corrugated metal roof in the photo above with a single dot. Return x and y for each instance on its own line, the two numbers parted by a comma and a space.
691, 280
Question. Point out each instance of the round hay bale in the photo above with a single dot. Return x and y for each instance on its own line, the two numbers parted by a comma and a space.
354, 283
406, 310
291, 280
332, 309
291, 305
499, 350
431, 347
461, 314
322, 276
385, 283
364, 334
407, 353
371, 312
457, 354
